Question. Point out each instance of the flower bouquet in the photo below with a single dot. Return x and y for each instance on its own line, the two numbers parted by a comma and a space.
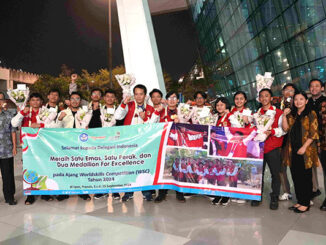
81, 113
126, 81
203, 116
46, 115
185, 112
236, 119
107, 117
264, 82
19, 96
263, 123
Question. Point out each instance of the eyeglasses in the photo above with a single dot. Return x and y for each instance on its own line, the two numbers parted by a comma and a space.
199, 98
75, 99
173, 98
96, 94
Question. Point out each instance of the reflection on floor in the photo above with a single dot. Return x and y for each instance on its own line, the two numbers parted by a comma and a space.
108, 221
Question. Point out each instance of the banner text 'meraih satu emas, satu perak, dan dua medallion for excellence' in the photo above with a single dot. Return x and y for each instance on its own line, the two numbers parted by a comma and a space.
184, 157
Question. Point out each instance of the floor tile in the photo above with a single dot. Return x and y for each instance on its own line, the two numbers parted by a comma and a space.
303, 238
9, 231
32, 238
40, 216
91, 230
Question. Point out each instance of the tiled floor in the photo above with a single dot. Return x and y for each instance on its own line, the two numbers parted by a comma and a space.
109, 221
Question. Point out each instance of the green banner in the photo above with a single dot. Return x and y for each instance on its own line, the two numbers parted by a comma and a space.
78, 161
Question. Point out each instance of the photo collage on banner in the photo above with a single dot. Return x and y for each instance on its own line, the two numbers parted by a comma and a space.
213, 160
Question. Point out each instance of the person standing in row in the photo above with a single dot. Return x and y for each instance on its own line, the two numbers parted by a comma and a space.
169, 114
273, 144
222, 107
323, 147
28, 118
72, 118
240, 117
107, 120
7, 152
316, 89
136, 112
301, 154
288, 91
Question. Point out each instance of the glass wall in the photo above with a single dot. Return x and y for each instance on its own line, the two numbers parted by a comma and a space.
242, 38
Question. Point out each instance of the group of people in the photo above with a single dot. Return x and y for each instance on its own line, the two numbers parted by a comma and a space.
295, 138
214, 172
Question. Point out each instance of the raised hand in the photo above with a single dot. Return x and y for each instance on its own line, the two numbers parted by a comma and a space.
127, 100
62, 115
287, 111
142, 115
26, 109
160, 108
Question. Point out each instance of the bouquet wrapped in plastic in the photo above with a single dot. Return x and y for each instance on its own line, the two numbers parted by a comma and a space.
204, 116
107, 117
265, 81
185, 112
81, 113
126, 81
19, 96
46, 115
263, 123
236, 118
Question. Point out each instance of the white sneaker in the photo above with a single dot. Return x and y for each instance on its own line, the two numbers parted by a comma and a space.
241, 201
285, 197
311, 203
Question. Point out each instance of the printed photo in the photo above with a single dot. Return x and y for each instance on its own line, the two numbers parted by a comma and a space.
188, 135
234, 143
193, 166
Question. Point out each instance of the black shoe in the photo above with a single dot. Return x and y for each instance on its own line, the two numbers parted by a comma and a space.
85, 197
323, 206
274, 203
29, 200
160, 198
99, 196
298, 211
254, 203
125, 198
188, 194
225, 201
116, 196
62, 197
149, 197
180, 197
47, 198
11, 201
216, 200
316, 193
292, 208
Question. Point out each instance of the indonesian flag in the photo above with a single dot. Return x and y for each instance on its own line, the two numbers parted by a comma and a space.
174, 138
193, 139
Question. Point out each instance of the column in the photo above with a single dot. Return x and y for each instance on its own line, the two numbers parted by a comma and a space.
139, 44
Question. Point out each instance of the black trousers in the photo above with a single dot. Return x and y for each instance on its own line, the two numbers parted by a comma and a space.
302, 180
323, 164
8, 178
163, 192
274, 161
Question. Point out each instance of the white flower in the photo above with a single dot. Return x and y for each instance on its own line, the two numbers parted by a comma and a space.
81, 114
246, 112
108, 117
